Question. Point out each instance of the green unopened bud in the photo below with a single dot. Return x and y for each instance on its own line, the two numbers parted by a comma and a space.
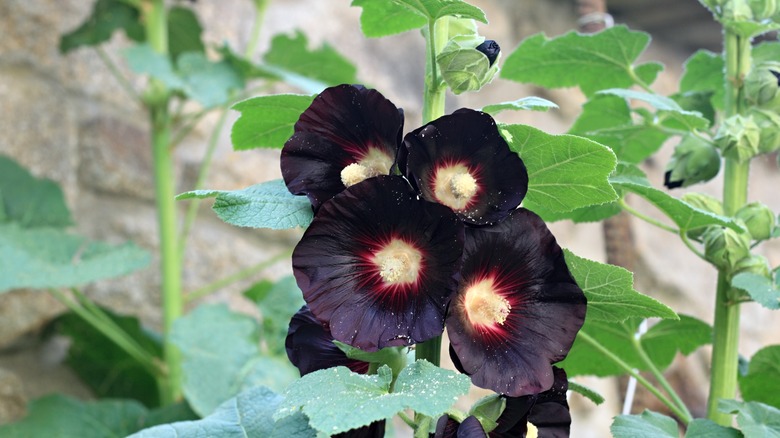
738, 138
769, 124
724, 247
762, 9
468, 64
704, 202
694, 160
761, 84
759, 220
736, 11
753, 264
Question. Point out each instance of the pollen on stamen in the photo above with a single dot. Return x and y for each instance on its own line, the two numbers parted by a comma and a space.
484, 306
463, 185
355, 173
398, 262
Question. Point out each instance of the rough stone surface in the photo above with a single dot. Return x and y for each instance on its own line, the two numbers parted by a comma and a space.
13, 403
25, 311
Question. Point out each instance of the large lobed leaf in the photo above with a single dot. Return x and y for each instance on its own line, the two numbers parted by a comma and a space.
266, 205
47, 257
29, 201
565, 172
756, 420
267, 121
336, 400
592, 62
221, 357
761, 382
107, 16
760, 288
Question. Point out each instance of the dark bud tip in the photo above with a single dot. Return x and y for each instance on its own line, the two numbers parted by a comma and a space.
669, 183
491, 49
777, 76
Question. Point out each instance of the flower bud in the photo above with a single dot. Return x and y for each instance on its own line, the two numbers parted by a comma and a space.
759, 220
753, 264
761, 84
769, 124
704, 202
738, 138
724, 247
491, 49
762, 9
464, 66
736, 11
694, 160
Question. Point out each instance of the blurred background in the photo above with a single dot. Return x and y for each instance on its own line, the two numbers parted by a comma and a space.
65, 117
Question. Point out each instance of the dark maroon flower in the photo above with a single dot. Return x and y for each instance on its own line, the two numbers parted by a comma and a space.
373, 430
446, 427
348, 133
461, 161
310, 346
379, 265
547, 411
517, 309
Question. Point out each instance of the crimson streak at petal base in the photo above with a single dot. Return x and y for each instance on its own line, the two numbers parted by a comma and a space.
517, 309
379, 265
348, 133
461, 161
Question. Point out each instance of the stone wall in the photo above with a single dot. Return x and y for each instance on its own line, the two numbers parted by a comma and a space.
66, 118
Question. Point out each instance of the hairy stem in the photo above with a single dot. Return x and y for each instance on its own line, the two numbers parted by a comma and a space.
257, 24
634, 212
435, 89
660, 377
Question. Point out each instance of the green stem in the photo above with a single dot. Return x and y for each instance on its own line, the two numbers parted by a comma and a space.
661, 379
435, 89
110, 330
405, 418
121, 78
188, 123
624, 205
725, 347
689, 244
429, 350
423, 426
238, 276
260, 8
635, 374
192, 209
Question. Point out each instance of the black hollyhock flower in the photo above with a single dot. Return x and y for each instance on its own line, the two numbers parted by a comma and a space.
446, 427
379, 265
348, 133
461, 161
491, 49
373, 430
517, 309
547, 411
310, 346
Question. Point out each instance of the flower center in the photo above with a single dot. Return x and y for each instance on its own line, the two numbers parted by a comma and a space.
374, 162
484, 306
398, 262
454, 186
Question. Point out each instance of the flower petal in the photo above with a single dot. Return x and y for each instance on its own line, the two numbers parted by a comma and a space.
310, 346
461, 161
344, 125
517, 309
379, 265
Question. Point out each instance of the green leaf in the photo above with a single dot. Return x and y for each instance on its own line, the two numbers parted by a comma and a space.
610, 293
531, 103
184, 32
266, 205
62, 416
259, 290
385, 355
664, 339
607, 120
247, 415
435, 9
666, 108
107, 17
683, 214
593, 62
756, 420
337, 400
703, 428
762, 381
143, 59
29, 201
209, 83
244, 67
565, 172
45, 257
698, 101
761, 289
277, 308
289, 58
647, 425
267, 121
221, 357
586, 392
766, 51
382, 18
109, 370
487, 410
593, 213
704, 73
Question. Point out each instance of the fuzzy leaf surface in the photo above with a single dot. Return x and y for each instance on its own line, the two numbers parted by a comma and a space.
336, 400
184, 32
761, 383
208, 83
531, 103
30, 201
704, 72
247, 415
221, 357
267, 121
435, 9
761, 289
265, 205
665, 108
107, 17
648, 424
756, 420
277, 307
46, 257
382, 18
593, 62
703, 428
565, 172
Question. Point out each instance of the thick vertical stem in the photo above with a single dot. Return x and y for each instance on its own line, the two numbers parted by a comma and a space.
725, 353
